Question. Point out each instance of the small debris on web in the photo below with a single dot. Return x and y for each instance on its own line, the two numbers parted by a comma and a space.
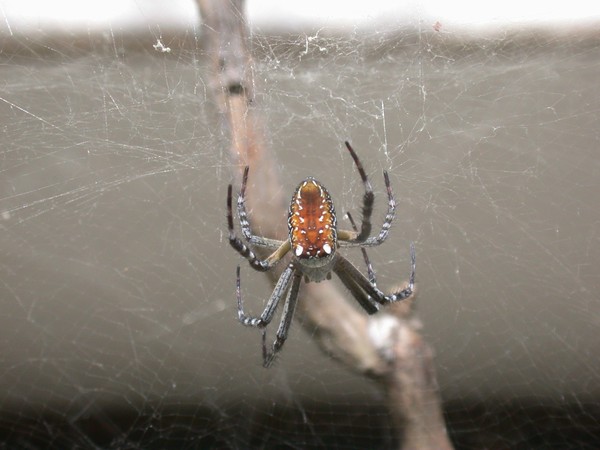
159, 47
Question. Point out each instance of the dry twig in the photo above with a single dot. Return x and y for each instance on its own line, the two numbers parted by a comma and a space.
386, 347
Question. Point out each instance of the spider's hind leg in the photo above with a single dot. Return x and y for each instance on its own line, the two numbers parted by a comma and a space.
368, 198
262, 265
370, 271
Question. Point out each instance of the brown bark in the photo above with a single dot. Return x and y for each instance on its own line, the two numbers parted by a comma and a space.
386, 347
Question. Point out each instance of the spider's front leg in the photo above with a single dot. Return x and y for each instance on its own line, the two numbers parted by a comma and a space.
289, 277
284, 326
362, 287
267, 315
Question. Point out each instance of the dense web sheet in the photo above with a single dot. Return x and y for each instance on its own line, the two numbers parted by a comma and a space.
118, 322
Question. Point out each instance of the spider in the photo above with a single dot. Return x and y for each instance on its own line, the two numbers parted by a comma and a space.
313, 241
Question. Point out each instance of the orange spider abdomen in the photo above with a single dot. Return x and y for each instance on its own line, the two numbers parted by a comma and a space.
311, 221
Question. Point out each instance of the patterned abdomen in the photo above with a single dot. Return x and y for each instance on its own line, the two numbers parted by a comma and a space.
311, 221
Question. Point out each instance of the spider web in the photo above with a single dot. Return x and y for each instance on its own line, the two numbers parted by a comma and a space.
117, 283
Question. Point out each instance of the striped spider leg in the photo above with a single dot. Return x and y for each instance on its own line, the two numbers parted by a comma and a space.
313, 241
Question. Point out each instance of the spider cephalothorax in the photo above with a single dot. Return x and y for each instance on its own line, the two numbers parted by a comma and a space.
313, 241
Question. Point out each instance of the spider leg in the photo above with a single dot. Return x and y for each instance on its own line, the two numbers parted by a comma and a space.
353, 239
368, 198
245, 223
357, 292
348, 273
284, 326
262, 265
389, 217
278, 293
370, 270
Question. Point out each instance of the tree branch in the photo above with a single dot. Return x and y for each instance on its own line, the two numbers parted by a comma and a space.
386, 347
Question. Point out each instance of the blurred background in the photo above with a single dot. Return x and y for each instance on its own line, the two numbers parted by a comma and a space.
118, 323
